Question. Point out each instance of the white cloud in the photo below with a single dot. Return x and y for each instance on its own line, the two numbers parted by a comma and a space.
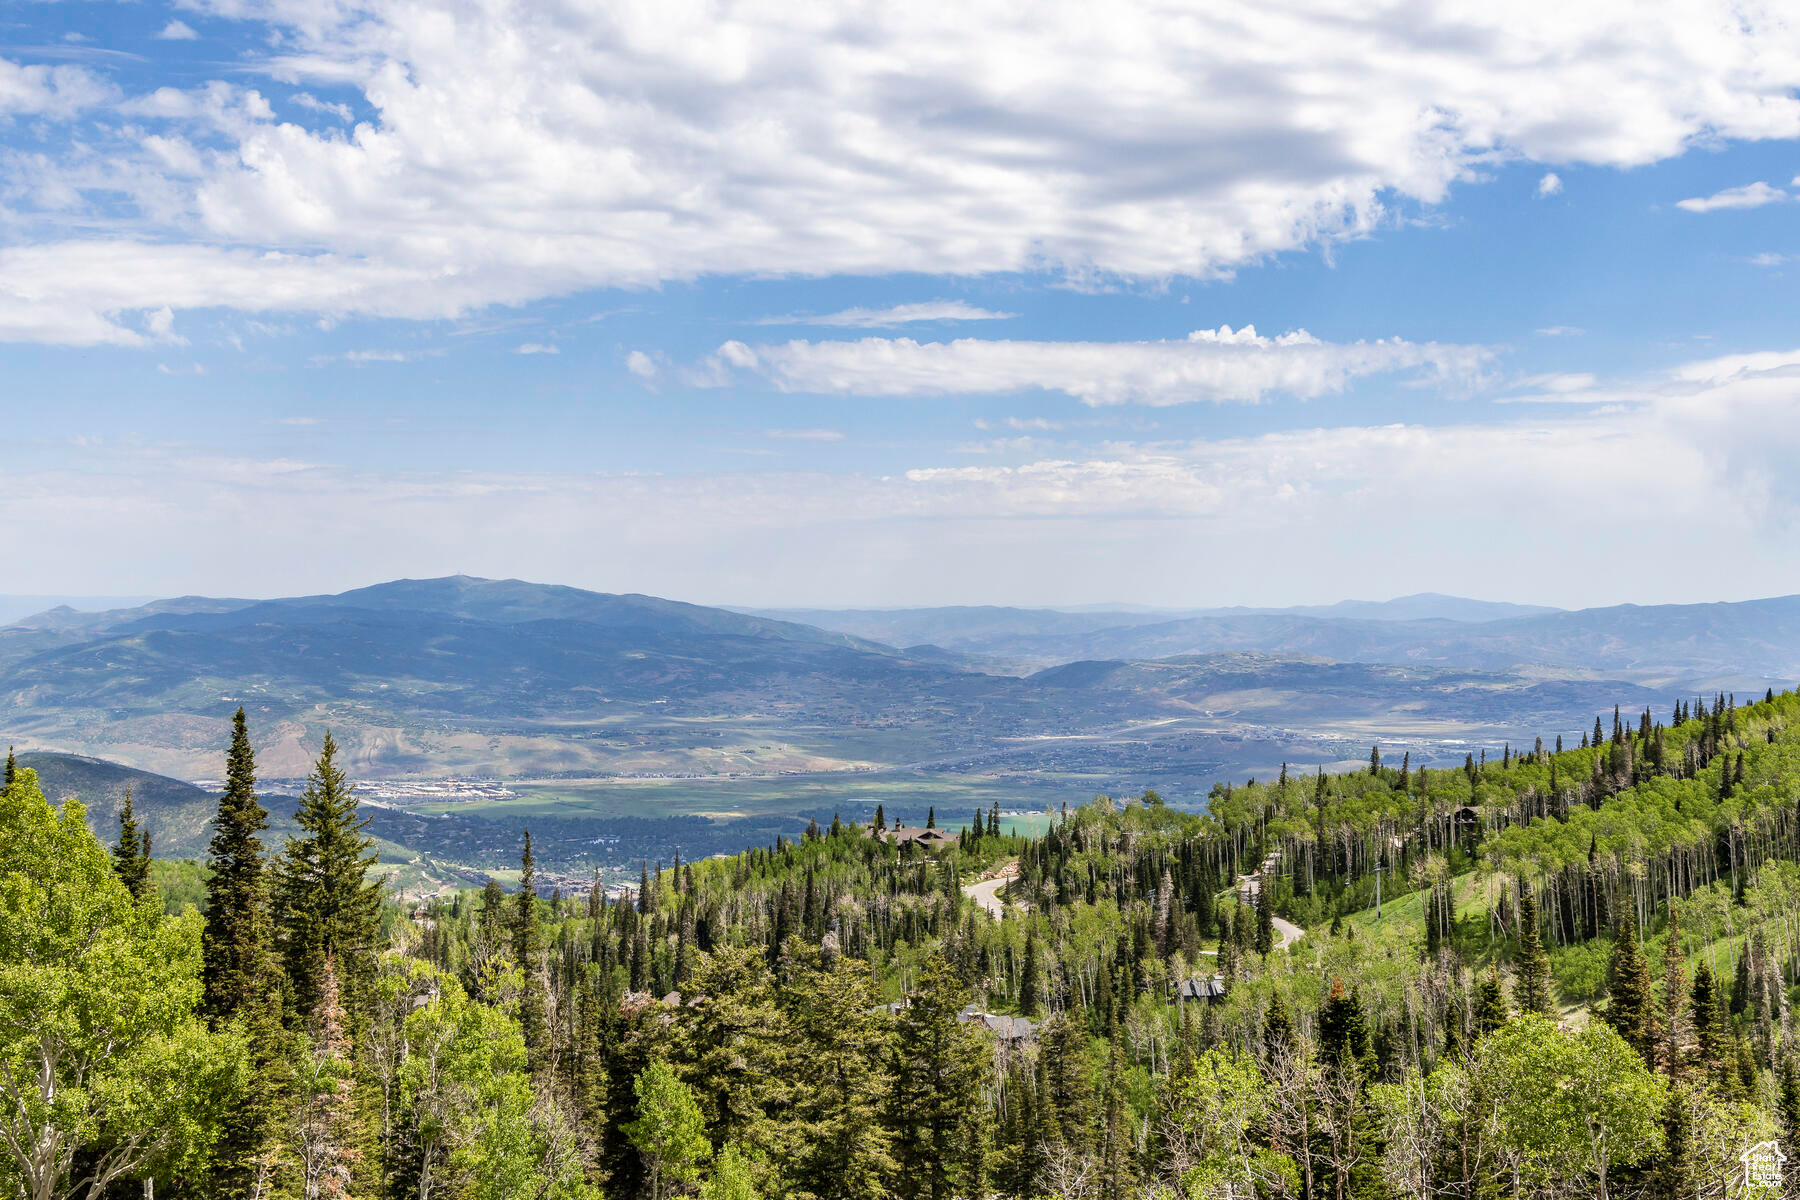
51, 91
537, 348
515, 151
1770, 259
1560, 331
1218, 365
806, 435
1550, 185
177, 31
899, 314
1283, 508
1751, 195
641, 365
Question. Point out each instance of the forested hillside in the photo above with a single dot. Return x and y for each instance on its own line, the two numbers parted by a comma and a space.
1578, 977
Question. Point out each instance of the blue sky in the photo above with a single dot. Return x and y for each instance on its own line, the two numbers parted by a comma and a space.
862, 307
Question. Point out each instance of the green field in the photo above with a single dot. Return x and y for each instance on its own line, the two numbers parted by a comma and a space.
852, 794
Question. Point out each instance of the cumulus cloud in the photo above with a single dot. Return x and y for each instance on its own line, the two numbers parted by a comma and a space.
515, 151
177, 31
1550, 185
1220, 365
899, 314
61, 91
537, 348
1751, 195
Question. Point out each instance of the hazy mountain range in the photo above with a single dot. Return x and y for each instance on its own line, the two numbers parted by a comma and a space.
586, 696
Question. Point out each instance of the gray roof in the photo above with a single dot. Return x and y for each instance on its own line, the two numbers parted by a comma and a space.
1202, 987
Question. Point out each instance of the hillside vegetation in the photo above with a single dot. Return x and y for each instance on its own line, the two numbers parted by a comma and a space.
1579, 978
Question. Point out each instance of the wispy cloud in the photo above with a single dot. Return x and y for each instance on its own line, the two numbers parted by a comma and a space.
806, 435
362, 358
537, 348
1751, 195
1220, 365
1560, 331
899, 314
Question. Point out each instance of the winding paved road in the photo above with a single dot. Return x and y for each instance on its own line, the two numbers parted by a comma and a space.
986, 892
1286, 932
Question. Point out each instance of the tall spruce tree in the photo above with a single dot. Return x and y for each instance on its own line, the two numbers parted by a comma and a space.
1533, 965
131, 857
242, 983
1631, 1006
936, 1111
235, 941
12, 770
1675, 1023
328, 907
533, 1022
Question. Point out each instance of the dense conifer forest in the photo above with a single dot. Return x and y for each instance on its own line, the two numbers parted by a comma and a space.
1552, 970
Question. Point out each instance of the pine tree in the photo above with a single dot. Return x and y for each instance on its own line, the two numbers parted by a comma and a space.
1676, 1175
1278, 1030
1343, 1029
1675, 997
533, 1022
328, 907
1630, 1008
1709, 1018
1265, 921
235, 939
1490, 1003
931, 817
131, 857
1028, 974
12, 770
1532, 968
937, 1111
1068, 1084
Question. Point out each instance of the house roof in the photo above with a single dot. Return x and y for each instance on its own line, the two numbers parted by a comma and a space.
916, 835
1202, 987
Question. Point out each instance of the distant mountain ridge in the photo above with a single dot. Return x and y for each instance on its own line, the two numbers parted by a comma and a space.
1751, 639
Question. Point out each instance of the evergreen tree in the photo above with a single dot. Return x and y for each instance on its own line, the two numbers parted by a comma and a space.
329, 908
1028, 974
1278, 1030
1068, 1095
1676, 1175
1265, 921
131, 857
235, 940
12, 770
1533, 965
936, 1111
1709, 1017
533, 1022
1675, 1022
1490, 1003
1343, 1029
1630, 1007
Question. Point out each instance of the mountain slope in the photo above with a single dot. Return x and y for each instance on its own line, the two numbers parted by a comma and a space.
175, 812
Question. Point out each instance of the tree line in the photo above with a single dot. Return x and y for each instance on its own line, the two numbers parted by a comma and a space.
830, 1016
